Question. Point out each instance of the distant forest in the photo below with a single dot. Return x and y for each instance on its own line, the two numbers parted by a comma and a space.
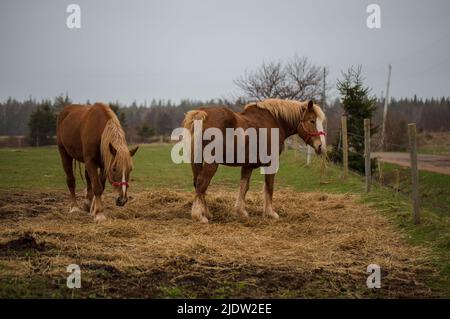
158, 118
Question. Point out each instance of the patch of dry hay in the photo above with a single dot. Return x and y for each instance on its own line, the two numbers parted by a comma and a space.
321, 246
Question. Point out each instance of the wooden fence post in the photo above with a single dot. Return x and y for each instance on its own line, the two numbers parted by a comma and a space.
397, 180
344, 145
368, 169
414, 172
380, 172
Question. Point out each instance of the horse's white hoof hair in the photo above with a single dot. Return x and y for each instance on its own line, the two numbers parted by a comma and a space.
242, 213
74, 209
274, 215
204, 220
100, 217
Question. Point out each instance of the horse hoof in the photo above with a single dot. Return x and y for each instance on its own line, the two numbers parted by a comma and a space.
274, 215
271, 214
242, 213
204, 220
87, 206
74, 209
100, 217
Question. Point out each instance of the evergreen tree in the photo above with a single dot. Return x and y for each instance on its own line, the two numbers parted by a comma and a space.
42, 125
120, 114
61, 101
145, 131
358, 104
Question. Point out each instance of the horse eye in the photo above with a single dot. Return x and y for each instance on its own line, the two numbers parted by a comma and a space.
312, 121
114, 169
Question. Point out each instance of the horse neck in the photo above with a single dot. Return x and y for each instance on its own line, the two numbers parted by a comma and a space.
287, 128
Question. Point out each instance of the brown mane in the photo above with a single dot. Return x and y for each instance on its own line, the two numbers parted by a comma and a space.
114, 134
289, 110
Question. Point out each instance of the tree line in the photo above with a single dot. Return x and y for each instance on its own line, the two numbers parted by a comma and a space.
296, 78
144, 121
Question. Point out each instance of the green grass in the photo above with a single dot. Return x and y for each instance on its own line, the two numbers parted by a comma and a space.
435, 150
40, 169
433, 187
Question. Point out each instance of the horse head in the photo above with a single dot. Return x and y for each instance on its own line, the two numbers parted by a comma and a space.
310, 128
119, 172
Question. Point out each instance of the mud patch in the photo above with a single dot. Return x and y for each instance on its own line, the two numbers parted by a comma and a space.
25, 243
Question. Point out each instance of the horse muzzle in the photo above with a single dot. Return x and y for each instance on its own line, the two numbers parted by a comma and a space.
121, 201
319, 150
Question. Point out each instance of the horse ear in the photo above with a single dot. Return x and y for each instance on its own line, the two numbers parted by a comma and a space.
310, 105
133, 151
112, 149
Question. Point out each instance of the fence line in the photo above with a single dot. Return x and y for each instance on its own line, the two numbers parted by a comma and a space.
384, 179
414, 172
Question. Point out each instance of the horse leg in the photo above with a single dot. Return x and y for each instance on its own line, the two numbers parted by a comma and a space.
89, 194
97, 187
67, 162
246, 173
199, 209
268, 193
196, 169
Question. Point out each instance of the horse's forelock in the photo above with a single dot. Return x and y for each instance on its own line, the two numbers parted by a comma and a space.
319, 113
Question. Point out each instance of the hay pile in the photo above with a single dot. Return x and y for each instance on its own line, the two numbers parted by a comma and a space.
320, 247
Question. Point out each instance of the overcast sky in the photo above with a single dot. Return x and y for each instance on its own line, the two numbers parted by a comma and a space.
173, 49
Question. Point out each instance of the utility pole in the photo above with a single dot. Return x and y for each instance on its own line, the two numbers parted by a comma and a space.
324, 96
324, 88
386, 101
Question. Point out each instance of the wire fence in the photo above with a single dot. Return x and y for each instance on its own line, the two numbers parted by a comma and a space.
433, 187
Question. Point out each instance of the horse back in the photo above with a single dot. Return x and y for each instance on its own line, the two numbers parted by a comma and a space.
223, 118
79, 130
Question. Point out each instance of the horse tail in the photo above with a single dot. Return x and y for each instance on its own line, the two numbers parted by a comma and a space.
188, 123
74, 169
81, 175
191, 116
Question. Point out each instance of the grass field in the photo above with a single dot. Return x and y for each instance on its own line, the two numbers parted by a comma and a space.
40, 168
435, 143
328, 233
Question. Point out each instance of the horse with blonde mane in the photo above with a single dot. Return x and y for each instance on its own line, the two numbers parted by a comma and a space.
290, 117
93, 135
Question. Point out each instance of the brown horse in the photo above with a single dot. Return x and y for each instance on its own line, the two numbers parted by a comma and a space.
290, 117
93, 135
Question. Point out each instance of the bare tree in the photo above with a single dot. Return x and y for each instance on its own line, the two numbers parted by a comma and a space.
297, 79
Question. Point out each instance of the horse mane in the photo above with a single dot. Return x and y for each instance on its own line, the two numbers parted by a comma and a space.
113, 134
289, 110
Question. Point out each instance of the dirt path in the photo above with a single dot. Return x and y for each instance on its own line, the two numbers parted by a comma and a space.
433, 163
320, 247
